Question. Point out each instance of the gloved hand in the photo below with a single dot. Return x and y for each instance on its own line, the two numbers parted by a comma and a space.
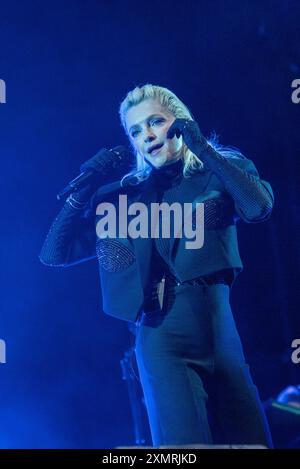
103, 162
108, 165
191, 134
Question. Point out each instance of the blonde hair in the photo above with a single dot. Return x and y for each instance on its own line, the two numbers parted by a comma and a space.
191, 163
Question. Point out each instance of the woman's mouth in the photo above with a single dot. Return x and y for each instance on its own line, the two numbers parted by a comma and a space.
156, 150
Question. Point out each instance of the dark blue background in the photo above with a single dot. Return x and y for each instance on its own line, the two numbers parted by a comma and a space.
67, 65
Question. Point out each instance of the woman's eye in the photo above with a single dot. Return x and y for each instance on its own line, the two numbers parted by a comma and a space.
157, 121
134, 133
152, 122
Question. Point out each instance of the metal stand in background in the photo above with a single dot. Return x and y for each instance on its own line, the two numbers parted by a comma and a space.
135, 396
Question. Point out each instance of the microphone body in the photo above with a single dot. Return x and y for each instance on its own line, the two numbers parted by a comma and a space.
102, 167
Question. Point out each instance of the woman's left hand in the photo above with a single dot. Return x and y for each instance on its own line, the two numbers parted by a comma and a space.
191, 134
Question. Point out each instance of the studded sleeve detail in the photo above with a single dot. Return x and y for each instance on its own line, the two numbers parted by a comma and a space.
113, 256
218, 213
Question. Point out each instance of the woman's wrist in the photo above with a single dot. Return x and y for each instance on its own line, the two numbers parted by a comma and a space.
206, 153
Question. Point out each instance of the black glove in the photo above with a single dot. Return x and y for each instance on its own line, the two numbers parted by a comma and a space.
191, 134
108, 165
103, 162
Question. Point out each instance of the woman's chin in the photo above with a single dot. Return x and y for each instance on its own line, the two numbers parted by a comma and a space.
157, 162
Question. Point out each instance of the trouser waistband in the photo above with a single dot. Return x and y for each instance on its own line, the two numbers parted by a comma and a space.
158, 290
212, 279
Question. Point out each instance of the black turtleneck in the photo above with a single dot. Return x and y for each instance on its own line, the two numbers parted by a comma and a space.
167, 176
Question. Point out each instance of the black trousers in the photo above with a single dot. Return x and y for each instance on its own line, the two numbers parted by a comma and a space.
189, 347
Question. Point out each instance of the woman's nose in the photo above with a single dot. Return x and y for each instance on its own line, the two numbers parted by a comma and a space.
149, 136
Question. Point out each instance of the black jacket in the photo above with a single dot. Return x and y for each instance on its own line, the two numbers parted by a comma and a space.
125, 264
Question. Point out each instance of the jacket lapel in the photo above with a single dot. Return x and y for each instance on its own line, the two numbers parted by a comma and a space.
143, 246
190, 189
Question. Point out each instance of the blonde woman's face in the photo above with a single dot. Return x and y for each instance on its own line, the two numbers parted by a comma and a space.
147, 124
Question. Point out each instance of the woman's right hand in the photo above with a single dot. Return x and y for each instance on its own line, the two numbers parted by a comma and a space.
105, 166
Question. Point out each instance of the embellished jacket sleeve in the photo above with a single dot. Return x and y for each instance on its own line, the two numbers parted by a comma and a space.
253, 197
71, 238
